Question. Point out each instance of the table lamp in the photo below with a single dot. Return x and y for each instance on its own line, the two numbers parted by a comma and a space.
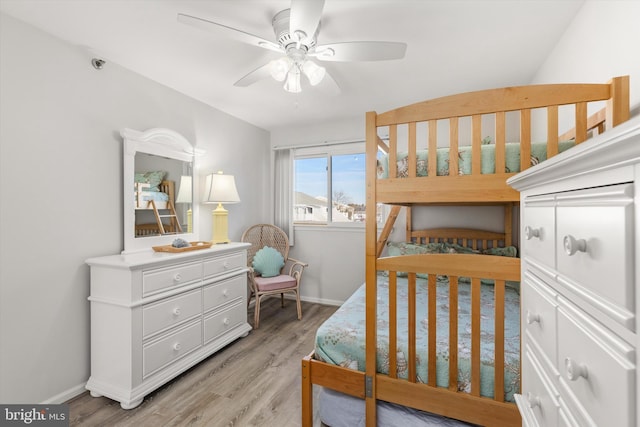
220, 189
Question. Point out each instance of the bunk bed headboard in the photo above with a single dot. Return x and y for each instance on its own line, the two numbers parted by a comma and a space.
467, 237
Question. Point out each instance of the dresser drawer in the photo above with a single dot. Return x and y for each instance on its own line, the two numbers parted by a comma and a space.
595, 243
538, 229
597, 370
539, 315
225, 320
170, 312
540, 399
225, 292
160, 279
222, 264
169, 348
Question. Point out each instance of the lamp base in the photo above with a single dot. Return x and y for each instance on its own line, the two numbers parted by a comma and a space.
220, 225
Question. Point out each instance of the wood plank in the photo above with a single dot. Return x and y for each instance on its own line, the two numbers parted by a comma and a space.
447, 189
618, 104
412, 157
461, 406
393, 325
371, 279
387, 229
581, 122
453, 232
453, 146
411, 319
552, 131
464, 265
492, 100
393, 151
525, 139
498, 385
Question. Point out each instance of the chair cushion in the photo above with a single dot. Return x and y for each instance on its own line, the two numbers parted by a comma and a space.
267, 262
282, 281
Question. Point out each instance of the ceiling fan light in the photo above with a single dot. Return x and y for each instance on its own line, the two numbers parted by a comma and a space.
279, 68
293, 81
314, 72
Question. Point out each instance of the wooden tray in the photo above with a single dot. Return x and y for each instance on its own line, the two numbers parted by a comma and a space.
194, 247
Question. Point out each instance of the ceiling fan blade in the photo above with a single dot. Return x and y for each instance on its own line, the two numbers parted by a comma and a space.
360, 51
258, 74
330, 85
305, 17
228, 32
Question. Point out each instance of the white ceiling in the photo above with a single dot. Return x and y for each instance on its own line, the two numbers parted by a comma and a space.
453, 46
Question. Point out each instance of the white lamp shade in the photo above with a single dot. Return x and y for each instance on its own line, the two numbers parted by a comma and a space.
314, 72
293, 80
185, 190
279, 68
220, 188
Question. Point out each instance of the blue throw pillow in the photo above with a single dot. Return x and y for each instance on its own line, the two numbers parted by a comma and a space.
267, 262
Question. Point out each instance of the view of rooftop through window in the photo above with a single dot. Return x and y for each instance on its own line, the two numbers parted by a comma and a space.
347, 179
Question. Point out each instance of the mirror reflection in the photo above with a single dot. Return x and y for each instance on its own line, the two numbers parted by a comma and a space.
163, 195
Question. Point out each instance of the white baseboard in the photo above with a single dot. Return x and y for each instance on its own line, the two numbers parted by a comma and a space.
321, 301
66, 395
308, 299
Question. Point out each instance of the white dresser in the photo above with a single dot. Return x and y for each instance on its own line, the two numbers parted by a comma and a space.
154, 315
580, 248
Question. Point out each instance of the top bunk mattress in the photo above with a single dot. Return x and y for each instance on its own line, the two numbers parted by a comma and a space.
488, 156
341, 338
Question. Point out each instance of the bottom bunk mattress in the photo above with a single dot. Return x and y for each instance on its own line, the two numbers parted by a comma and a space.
341, 338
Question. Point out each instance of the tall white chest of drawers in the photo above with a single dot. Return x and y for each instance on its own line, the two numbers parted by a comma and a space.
156, 314
580, 248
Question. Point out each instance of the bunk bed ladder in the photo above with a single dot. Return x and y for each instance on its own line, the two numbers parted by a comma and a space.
174, 224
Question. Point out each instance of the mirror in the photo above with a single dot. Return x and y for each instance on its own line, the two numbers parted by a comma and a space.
158, 189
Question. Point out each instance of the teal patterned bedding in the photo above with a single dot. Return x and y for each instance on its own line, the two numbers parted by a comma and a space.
487, 151
341, 339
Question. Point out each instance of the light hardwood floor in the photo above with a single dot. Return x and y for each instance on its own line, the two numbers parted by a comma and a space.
254, 381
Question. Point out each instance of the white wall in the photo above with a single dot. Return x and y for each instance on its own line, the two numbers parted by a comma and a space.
602, 42
61, 195
335, 255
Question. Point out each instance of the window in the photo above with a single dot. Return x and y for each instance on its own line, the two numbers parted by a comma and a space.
329, 184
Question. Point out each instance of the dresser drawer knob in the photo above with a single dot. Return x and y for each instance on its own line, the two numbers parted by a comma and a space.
225, 293
530, 233
176, 311
177, 277
532, 318
575, 370
226, 321
573, 245
533, 400
177, 346
226, 265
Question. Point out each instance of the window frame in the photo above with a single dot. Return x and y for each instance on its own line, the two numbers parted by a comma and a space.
326, 151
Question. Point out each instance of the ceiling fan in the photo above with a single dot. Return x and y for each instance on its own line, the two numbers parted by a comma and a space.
296, 31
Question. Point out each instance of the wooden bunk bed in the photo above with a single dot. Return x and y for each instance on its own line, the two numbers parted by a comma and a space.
466, 180
165, 223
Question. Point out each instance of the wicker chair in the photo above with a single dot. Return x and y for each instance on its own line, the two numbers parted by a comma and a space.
288, 280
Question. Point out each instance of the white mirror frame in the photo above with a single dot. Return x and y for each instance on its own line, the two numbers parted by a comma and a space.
159, 142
